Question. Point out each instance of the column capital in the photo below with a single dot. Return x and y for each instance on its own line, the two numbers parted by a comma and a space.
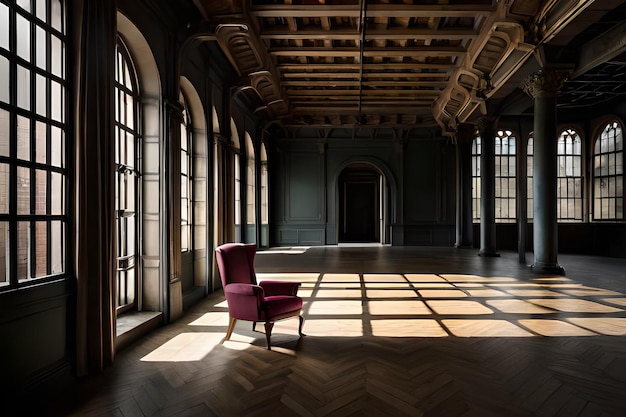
545, 83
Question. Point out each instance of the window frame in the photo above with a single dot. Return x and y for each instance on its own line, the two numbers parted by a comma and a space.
186, 135
45, 155
571, 160
125, 261
618, 177
503, 175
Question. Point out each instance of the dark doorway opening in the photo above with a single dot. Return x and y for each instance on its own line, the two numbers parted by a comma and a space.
359, 205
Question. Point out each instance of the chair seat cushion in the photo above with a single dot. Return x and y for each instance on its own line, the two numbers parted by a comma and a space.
277, 305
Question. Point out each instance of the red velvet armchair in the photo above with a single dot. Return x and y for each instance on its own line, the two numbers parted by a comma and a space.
266, 301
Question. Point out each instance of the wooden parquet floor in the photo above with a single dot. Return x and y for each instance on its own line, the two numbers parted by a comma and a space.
390, 332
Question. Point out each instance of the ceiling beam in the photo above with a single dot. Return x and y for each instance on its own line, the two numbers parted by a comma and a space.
372, 34
373, 10
366, 66
369, 52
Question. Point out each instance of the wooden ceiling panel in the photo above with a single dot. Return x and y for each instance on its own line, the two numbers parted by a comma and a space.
426, 62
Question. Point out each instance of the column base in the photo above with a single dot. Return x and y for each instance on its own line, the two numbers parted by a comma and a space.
544, 268
488, 254
463, 245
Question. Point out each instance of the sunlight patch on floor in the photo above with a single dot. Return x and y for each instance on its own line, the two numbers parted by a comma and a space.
553, 328
485, 328
407, 328
185, 347
414, 306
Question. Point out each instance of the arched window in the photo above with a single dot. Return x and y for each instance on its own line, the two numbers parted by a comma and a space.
186, 184
505, 173
237, 176
33, 170
530, 154
608, 173
127, 178
264, 199
250, 191
476, 148
569, 176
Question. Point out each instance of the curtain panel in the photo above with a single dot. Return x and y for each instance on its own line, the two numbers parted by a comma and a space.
93, 37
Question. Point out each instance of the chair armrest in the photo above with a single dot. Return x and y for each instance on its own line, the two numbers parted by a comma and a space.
244, 289
279, 287
244, 301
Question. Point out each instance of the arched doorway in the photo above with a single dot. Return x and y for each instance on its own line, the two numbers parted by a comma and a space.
363, 204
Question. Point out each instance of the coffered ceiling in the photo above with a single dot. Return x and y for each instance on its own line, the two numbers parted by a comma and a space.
386, 62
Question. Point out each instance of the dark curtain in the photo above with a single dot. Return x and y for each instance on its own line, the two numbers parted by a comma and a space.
93, 39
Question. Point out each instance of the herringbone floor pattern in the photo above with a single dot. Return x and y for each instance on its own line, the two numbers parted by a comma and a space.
389, 333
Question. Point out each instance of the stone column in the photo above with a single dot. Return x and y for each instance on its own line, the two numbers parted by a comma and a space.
543, 86
487, 127
464, 226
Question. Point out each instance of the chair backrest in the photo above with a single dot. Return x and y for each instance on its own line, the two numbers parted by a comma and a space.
236, 263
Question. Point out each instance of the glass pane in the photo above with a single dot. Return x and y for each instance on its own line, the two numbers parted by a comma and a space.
4, 27
184, 186
23, 87
183, 210
512, 166
4, 133
41, 190
41, 142
23, 40
184, 164
57, 52
23, 190
130, 235
5, 90
130, 286
23, 240
130, 150
56, 147
41, 9
40, 254
24, 4
578, 188
130, 109
56, 194
183, 137
5, 180
40, 95
57, 101
56, 12
127, 80
597, 208
57, 243
130, 192
4, 253
41, 47
23, 138
577, 169
184, 238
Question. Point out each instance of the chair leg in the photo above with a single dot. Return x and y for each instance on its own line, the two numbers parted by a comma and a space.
269, 325
254, 326
231, 327
300, 327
